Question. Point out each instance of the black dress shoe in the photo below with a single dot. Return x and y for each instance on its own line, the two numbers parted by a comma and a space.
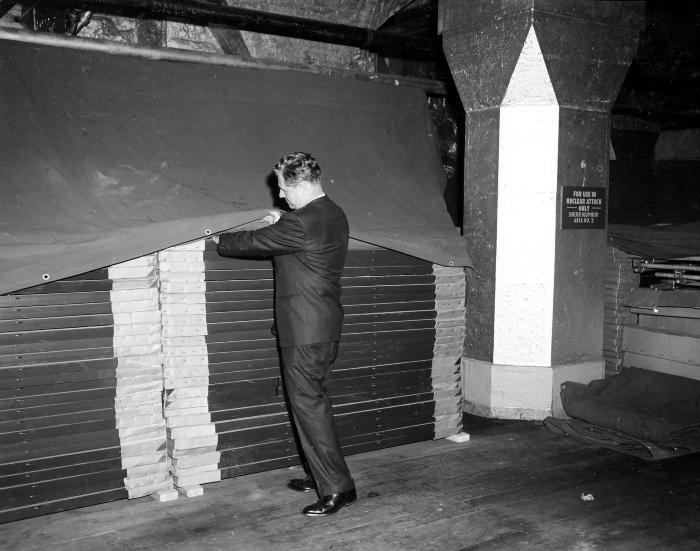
328, 505
302, 484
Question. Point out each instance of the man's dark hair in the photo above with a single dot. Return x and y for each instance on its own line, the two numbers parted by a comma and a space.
297, 167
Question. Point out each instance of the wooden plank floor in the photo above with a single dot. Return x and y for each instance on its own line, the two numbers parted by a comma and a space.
513, 486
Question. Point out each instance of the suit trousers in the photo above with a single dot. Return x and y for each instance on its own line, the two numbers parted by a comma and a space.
306, 370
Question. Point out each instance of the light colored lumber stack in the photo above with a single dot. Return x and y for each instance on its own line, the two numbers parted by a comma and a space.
138, 402
450, 330
192, 439
620, 281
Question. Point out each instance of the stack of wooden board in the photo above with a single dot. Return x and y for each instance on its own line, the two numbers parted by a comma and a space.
139, 402
58, 382
667, 335
450, 330
192, 439
620, 281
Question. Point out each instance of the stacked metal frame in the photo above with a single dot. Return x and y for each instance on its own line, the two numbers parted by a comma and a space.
60, 443
163, 371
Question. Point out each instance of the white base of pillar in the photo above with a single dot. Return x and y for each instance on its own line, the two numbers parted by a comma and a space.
520, 392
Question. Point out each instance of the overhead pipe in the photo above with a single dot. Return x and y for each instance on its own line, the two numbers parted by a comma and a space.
434, 87
640, 266
679, 278
204, 13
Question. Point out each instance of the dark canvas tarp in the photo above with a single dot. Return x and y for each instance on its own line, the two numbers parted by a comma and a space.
614, 440
105, 158
661, 242
651, 414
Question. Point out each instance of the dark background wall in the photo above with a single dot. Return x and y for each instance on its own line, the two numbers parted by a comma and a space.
660, 93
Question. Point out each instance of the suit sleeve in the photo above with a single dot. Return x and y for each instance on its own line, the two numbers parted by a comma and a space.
284, 237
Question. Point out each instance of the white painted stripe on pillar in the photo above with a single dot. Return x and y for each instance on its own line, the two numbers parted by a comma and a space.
527, 191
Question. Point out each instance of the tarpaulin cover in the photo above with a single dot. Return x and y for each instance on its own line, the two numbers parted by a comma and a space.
105, 158
612, 439
660, 242
637, 410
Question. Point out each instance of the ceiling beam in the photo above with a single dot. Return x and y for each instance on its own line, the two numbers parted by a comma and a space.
5, 6
207, 13
229, 40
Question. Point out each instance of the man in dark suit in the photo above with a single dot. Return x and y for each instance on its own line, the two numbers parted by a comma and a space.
308, 245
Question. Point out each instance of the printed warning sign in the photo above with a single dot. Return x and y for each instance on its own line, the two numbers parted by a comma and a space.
583, 208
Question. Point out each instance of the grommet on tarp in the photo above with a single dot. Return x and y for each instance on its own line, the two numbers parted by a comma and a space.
207, 231
45, 277
452, 263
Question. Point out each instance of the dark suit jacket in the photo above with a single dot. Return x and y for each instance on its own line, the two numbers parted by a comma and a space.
309, 247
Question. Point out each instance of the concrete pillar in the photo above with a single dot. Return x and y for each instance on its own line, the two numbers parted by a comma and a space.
537, 79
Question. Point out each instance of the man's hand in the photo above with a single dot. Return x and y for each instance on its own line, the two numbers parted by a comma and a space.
272, 217
215, 239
